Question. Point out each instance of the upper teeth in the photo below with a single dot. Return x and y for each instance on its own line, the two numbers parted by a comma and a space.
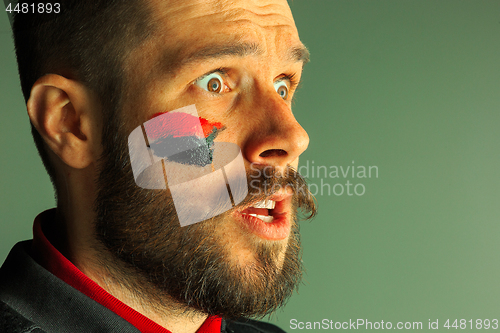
265, 218
269, 204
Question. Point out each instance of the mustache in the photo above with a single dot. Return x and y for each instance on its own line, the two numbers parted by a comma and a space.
263, 182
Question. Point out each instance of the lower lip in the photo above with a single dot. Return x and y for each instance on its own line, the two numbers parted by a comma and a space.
278, 229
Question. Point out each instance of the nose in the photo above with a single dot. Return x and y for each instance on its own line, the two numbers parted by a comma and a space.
276, 139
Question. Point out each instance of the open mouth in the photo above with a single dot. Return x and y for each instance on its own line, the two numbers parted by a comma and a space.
262, 210
269, 218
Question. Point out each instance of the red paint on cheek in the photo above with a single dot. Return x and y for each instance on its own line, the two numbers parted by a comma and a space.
208, 126
179, 124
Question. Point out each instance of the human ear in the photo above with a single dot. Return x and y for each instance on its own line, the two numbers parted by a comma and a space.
63, 112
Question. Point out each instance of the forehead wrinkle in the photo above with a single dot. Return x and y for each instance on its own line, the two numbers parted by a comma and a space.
249, 20
251, 9
182, 11
264, 20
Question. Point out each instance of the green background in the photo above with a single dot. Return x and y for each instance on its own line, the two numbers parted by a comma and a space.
412, 87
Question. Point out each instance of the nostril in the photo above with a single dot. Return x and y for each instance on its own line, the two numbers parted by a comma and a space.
273, 152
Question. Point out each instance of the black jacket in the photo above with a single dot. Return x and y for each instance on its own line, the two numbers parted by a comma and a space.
33, 300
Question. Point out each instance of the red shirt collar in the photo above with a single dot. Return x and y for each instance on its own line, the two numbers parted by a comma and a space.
53, 261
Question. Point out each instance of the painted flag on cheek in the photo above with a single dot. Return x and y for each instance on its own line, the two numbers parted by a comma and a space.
172, 132
176, 150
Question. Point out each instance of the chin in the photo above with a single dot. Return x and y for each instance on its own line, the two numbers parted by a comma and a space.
247, 249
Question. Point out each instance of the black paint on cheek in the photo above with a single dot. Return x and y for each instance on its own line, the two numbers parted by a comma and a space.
173, 149
200, 156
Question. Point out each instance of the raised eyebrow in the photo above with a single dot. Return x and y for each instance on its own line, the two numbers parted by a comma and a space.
240, 49
217, 51
214, 51
299, 54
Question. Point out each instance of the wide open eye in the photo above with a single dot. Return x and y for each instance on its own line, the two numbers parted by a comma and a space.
281, 88
212, 82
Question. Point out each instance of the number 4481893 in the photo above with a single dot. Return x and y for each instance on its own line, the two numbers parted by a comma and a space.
478, 324
39, 8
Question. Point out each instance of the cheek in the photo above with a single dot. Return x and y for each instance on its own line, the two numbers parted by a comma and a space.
235, 132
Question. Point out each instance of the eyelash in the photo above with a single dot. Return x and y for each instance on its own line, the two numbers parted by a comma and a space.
292, 78
294, 83
220, 70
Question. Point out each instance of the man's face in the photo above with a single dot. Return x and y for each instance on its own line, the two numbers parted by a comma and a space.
239, 62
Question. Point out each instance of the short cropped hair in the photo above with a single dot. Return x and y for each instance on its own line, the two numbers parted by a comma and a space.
87, 41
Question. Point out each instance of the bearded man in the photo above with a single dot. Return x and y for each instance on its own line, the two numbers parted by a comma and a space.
203, 90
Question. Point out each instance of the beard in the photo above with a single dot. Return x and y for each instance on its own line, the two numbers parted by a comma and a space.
195, 267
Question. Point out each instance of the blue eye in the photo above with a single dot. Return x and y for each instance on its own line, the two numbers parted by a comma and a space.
281, 88
212, 82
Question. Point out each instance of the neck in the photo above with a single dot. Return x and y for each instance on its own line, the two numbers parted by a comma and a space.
162, 310
123, 283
